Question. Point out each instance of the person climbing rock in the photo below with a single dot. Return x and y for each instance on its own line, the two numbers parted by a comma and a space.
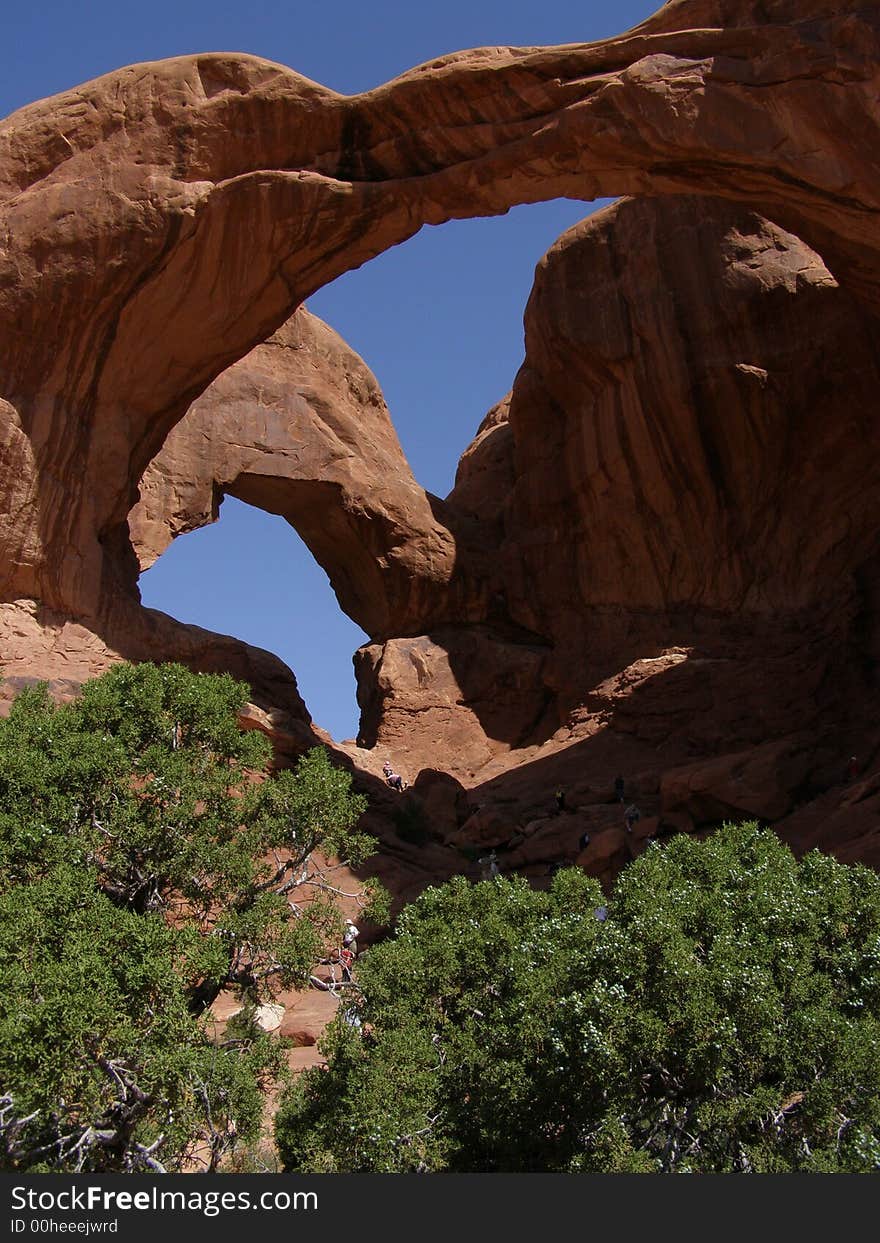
560, 799
852, 768
392, 778
631, 816
583, 841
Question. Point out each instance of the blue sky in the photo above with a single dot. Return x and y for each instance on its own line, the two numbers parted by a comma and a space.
438, 319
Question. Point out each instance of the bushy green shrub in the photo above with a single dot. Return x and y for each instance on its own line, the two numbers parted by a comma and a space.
142, 870
723, 1016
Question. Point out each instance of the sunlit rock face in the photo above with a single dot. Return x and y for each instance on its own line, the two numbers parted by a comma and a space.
696, 400
659, 549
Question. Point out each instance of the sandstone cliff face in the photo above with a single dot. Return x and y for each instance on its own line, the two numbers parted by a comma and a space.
679, 492
661, 547
709, 390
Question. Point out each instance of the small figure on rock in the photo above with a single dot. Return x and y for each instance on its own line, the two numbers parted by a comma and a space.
583, 841
852, 768
394, 779
489, 865
560, 799
346, 960
631, 816
349, 937
618, 788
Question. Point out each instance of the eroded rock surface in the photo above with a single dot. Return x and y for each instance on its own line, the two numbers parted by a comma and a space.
684, 511
707, 389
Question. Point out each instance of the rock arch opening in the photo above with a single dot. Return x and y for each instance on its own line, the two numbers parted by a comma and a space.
300, 429
439, 321
250, 575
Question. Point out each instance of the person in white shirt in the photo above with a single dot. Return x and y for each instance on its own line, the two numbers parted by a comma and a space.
350, 935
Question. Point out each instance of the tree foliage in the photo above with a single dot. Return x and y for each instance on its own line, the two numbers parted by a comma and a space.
724, 1016
145, 866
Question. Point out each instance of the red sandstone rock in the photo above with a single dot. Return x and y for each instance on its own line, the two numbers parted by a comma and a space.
463, 694
485, 475
708, 387
488, 826
305, 1057
306, 1015
685, 681
761, 783
844, 821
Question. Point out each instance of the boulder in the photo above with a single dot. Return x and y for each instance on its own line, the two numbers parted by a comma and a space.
762, 783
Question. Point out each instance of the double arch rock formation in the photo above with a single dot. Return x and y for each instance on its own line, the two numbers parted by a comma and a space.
163, 222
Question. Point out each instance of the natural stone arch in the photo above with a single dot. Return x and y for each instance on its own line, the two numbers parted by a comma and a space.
299, 427
159, 222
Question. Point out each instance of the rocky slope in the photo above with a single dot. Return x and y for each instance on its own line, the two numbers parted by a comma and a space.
682, 502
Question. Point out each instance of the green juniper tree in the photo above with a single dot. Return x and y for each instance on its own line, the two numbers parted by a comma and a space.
723, 1016
143, 868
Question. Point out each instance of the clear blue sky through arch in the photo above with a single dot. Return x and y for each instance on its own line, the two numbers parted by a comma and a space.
439, 319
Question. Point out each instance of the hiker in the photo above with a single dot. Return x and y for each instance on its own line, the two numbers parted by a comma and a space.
489, 865
346, 961
349, 937
560, 800
393, 779
852, 768
351, 1017
618, 789
583, 841
631, 816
